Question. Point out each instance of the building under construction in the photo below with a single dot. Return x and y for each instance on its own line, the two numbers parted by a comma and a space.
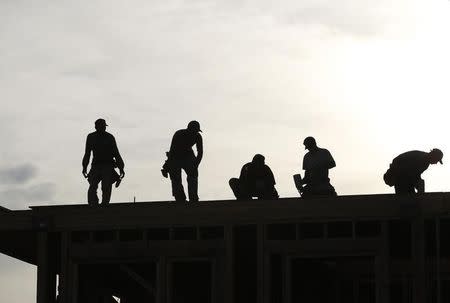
348, 249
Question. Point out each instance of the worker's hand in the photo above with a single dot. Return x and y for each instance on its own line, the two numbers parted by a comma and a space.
197, 162
122, 174
84, 172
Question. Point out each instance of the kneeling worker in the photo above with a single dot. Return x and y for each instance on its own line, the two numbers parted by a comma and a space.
405, 170
316, 163
256, 180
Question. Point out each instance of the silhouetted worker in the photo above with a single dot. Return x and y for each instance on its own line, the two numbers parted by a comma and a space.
106, 157
316, 163
256, 180
405, 170
181, 156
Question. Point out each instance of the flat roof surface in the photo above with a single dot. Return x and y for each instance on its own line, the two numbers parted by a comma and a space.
18, 229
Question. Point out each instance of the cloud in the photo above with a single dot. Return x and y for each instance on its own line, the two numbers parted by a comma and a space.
357, 18
20, 197
17, 189
20, 174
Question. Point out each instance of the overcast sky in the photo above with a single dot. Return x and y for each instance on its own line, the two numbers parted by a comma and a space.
367, 79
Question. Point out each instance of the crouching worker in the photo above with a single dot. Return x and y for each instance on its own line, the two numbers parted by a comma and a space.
256, 180
406, 169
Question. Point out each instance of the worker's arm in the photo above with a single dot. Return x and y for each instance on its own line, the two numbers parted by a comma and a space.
270, 176
173, 143
307, 177
306, 168
199, 145
118, 158
331, 162
243, 176
87, 156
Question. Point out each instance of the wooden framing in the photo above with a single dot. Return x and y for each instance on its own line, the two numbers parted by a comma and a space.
59, 238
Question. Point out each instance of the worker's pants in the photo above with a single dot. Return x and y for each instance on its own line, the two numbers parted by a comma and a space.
318, 190
105, 174
244, 192
191, 170
406, 185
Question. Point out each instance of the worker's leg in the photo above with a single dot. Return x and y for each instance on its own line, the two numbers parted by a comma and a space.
319, 190
107, 182
192, 179
404, 188
308, 191
240, 191
329, 190
420, 186
94, 179
177, 186
272, 193
234, 184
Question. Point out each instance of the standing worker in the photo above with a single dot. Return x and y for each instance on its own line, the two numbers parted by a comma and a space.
106, 157
406, 169
316, 163
181, 156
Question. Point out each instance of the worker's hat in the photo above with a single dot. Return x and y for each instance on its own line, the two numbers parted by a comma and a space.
437, 155
100, 122
194, 125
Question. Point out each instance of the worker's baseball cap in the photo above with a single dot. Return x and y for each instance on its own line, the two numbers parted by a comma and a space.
258, 158
437, 154
194, 125
309, 141
100, 122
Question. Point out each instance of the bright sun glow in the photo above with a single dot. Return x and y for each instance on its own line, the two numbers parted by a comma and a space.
401, 88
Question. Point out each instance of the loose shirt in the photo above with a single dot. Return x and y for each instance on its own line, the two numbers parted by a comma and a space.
410, 165
316, 164
182, 142
104, 149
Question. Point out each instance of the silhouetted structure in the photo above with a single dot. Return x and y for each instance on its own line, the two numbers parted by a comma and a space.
182, 157
106, 157
405, 171
256, 180
316, 163
371, 248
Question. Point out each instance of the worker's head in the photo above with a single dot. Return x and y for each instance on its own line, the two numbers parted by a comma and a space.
194, 126
100, 125
436, 156
258, 160
310, 143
